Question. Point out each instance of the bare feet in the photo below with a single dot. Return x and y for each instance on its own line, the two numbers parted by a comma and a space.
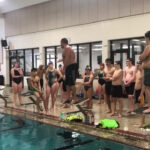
113, 114
146, 111
108, 112
120, 116
129, 111
52, 110
99, 102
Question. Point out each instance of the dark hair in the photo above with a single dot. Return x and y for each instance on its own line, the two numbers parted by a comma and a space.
33, 70
118, 63
64, 40
139, 62
147, 35
60, 66
130, 59
108, 60
87, 67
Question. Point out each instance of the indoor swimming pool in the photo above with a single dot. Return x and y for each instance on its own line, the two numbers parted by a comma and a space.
23, 134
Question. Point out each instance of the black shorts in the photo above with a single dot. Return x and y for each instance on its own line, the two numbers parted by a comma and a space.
41, 83
71, 74
108, 88
137, 94
147, 77
130, 89
116, 91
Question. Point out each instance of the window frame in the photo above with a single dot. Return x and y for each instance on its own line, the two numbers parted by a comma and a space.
78, 55
15, 57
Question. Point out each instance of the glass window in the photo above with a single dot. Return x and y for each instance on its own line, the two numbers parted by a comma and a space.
28, 62
20, 53
74, 48
50, 55
136, 48
119, 45
36, 58
59, 55
84, 57
96, 54
12, 53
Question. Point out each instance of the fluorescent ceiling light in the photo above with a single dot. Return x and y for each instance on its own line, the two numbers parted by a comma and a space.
96, 49
143, 41
73, 47
125, 46
82, 47
50, 49
135, 40
98, 45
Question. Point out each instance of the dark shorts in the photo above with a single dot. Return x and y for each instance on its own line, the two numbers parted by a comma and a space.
147, 77
71, 74
130, 89
41, 83
101, 81
137, 94
108, 88
116, 91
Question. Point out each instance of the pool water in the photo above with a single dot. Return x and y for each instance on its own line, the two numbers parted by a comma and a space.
23, 134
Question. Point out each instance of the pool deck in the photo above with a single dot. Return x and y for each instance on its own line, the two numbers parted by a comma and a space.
129, 133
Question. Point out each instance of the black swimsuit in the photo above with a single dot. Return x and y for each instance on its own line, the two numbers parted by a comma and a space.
17, 80
52, 76
86, 87
101, 80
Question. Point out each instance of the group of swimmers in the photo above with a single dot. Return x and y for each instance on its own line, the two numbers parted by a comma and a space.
111, 80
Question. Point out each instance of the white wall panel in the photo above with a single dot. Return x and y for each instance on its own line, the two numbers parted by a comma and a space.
146, 6
40, 17
60, 13
103, 10
113, 9
137, 7
84, 11
75, 12
124, 8
93, 10
67, 12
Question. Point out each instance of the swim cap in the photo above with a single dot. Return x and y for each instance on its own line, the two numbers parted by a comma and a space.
50, 63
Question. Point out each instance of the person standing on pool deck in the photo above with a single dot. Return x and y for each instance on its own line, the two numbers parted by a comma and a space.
101, 81
88, 86
108, 73
129, 82
145, 58
17, 76
52, 86
40, 73
116, 89
70, 69
138, 81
